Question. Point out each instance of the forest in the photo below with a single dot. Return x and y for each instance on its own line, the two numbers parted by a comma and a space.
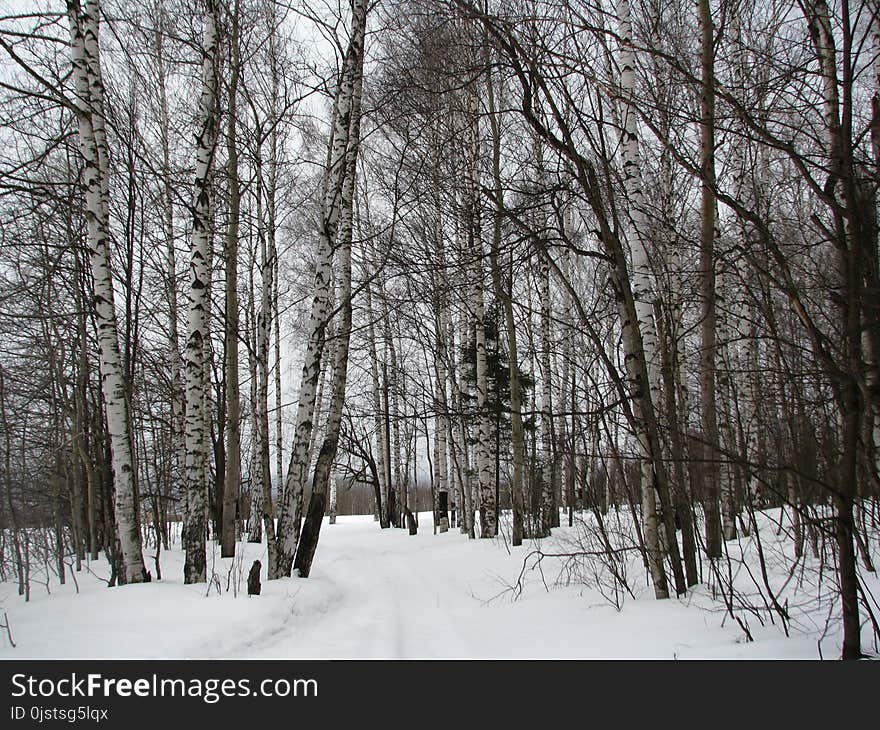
597, 282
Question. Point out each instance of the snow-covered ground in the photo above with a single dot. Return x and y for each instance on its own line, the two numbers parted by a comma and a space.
383, 594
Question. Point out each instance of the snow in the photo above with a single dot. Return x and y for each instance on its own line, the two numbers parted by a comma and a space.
384, 594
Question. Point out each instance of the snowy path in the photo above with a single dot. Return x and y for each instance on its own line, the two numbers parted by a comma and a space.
373, 593
389, 607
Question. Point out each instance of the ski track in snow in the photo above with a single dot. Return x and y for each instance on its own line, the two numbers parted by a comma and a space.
388, 608
376, 594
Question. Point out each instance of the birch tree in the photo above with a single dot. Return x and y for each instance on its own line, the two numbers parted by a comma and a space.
340, 231
196, 353
83, 18
342, 153
643, 296
487, 505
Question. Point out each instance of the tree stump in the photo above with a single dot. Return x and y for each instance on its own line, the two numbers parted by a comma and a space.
254, 579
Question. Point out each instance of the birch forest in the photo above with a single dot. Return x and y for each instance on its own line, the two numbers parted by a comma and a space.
588, 286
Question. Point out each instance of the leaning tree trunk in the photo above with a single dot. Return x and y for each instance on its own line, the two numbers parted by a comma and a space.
308, 542
196, 431
89, 103
343, 147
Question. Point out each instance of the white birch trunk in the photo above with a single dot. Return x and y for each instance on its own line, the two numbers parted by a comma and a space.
305, 550
333, 497
547, 470
547, 451
467, 505
84, 50
642, 291
454, 468
483, 449
457, 429
197, 347
471, 248
346, 102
